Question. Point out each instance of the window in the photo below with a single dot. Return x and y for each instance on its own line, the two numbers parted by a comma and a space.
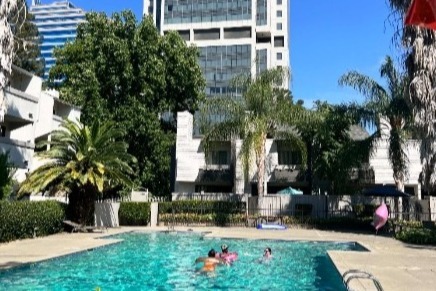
286, 155
279, 56
279, 41
219, 158
170, 8
279, 2
279, 13
279, 26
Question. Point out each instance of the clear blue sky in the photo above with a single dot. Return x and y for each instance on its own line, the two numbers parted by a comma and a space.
327, 38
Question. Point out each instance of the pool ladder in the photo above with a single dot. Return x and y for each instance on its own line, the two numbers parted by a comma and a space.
358, 274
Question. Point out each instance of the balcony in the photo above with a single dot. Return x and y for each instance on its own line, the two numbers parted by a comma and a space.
56, 121
20, 152
21, 108
215, 175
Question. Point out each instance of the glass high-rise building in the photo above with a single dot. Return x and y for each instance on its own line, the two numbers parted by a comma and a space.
233, 36
57, 23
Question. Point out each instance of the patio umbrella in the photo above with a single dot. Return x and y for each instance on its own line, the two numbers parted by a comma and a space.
422, 13
290, 191
384, 191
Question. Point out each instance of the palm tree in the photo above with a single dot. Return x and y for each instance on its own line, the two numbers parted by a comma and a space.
264, 110
420, 49
389, 103
82, 161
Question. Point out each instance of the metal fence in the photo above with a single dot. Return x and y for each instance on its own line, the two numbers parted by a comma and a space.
278, 208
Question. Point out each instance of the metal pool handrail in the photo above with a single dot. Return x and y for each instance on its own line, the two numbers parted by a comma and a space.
359, 274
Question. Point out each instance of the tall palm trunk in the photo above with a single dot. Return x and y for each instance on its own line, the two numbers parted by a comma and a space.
260, 163
81, 204
399, 181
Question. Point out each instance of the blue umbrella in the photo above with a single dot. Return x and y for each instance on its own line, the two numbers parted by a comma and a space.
290, 191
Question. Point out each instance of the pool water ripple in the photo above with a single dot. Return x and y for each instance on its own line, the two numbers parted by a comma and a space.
165, 261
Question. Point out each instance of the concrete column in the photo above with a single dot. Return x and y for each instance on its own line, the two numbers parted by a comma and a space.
154, 207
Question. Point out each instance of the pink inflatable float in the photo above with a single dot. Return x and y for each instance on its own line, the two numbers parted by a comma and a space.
380, 216
229, 257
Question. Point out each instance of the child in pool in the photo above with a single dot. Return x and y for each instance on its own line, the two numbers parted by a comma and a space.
210, 262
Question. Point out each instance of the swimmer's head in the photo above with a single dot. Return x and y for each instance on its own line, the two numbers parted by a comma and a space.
267, 251
225, 248
211, 253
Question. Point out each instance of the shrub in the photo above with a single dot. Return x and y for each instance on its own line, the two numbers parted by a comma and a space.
216, 219
24, 219
189, 212
134, 213
419, 236
202, 207
364, 210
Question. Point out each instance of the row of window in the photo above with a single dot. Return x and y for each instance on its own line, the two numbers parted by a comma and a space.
194, 11
220, 64
285, 157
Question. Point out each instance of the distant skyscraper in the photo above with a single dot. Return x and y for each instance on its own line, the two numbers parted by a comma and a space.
57, 23
230, 34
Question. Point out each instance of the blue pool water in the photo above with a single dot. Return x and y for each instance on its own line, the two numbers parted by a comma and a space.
165, 261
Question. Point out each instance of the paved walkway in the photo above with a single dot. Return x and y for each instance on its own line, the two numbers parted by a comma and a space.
398, 266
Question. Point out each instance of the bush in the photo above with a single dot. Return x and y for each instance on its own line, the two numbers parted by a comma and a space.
202, 207
364, 210
134, 213
24, 219
216, 219
421, 236
189, 212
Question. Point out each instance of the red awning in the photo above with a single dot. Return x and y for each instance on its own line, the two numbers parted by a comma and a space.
422, 13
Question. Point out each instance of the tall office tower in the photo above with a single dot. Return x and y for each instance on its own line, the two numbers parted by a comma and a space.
57, 23
233, 36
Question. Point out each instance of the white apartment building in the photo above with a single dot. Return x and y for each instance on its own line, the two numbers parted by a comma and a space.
57, 24
31, 114
233, 36
223, 172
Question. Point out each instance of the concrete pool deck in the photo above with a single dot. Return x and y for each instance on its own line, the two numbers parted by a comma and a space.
396, 265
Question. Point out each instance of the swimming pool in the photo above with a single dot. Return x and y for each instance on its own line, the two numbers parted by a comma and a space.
165, 261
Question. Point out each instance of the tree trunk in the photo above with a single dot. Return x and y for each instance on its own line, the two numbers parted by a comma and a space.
81, 205
260, 162
399, 181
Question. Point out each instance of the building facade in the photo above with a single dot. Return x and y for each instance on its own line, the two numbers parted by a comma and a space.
31, 114
233, 36
223, 171
57, 24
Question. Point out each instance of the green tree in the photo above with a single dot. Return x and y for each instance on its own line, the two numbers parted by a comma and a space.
7, 171
263, 111
83, 162
332, 149
27, 51
390, 103
121, 70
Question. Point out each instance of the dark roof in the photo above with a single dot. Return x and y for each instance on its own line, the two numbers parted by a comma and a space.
358, 133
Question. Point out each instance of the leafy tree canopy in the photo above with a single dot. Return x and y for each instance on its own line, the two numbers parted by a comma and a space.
122, 70
27, 52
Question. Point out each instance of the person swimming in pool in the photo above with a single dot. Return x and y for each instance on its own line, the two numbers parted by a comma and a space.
267, 253
230, 257
210, 262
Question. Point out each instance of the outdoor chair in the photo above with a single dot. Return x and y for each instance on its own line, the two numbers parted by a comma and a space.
76, 227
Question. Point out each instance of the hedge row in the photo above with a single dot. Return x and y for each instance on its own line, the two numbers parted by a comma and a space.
215, 219
24, 219
202, 207
421, 236
134, 213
